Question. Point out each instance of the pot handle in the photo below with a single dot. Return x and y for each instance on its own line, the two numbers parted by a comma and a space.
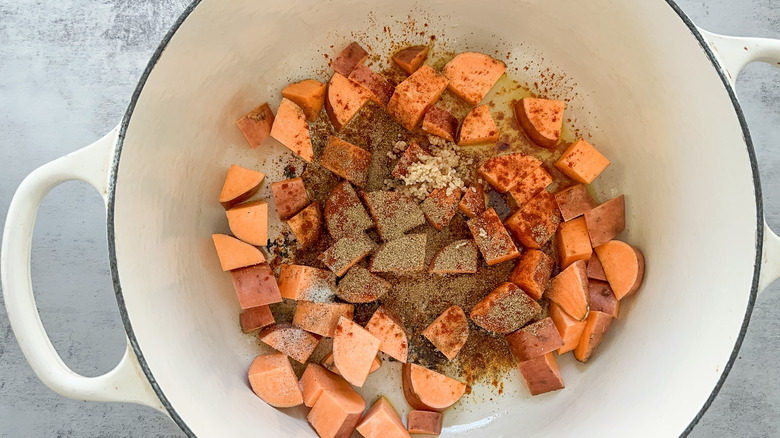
126, 382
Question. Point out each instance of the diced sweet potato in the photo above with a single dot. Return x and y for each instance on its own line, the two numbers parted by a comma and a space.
394, 213
473, 201
328, 363
304, 283
574, 201
606, 221
624, 267
292, 129
415, 95
354, 350
541, 374
345, 214
569, 289
347, 252
345, 98
425, 389
389, 329
596, 327
256, 125
234, 254
410, 156
582, 162
273, 380
573, 242
346, 160
249, 222
569, 328
361, 286
349, 58
449, 332
316, 380
506, 171
478, 128
290, 197
240, 185
424, 422
321, 318
307, 225
492, 238
411, 58
308, 94
534, 340
290, 340
530, 186
541, 119
458, 257
505, 309
601, 298
255, 286
381, 421
536, 222
440, 207
255, 318
595, 270
472, 75
336, 413
440, 122
402, 255
379, 89
532, 272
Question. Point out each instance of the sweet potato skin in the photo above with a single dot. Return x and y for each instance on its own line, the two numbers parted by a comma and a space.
541, 120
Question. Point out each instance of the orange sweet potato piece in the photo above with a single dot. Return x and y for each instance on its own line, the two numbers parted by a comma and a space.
349, 58
292, 129
290, 197
304, 283
472, 75
582, 162
393, 213
389, 329
379, 89
601, 298
458, 257
255, 286
595, 270
256, 125
307, 225
402, 255
624, 267
328, 363
536, 222
346, 253
541, 374
345, 98
478, 127
249, 222
473, 201
449, 332
361, 286
424, 422
505, 309
574, 201
441, 123
308, 94
240, 185
346, 160
273, 380
573, 242
255, 318
596, 327
506, 171
290, 340
381, 421
415, 95
532, 272
606, 221
530, 186
569, 289
344, 213
316, 380
440, 207
411, 58
541, 119
234, 254
569, 328
336, 413
429, 390
321, 318
534, 340
354, 351
410, 156
492, 238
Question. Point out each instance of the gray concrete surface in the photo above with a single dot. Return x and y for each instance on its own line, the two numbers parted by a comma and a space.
67, 70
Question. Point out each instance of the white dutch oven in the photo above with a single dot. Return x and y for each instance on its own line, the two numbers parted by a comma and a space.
655, 92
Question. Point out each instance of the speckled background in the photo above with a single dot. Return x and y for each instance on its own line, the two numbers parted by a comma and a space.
67, 71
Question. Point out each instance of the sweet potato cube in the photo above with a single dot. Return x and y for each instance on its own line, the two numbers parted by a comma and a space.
402, 255
379, 89
574, 201
541, 119
292, 129
569, 289
346, 160
410, 156
473, 203
441, 123
440, 206
449, 331
601, 298
424, 422
344, 213
595, 270
381, 421
530, 186
506, 171
541, 374
344, 99
255, 286
361, 286
582, 162
606, 221
255, 318
273, 380
624, 267
290, 197
336, 413
536, 222
240, 185
472, 75
458, 257
304, 283
349, 58
321, 318
316, 380
249, 222
573, 242
354, 351
290, 340
234, 254
534, 340
389, 329
330, 365
505, 309
307, 225
308, 94
394, 213
411, 58
478, 127
569, 328
596, 327
256, 125
347, 252
415, 95
532, 272
492, 238
429, 390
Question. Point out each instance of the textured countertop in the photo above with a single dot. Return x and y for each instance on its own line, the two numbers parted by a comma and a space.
67, 71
